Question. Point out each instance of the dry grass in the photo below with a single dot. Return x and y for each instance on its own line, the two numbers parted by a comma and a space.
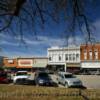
22, 92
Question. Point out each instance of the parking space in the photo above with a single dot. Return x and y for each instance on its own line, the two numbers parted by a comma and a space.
89, 81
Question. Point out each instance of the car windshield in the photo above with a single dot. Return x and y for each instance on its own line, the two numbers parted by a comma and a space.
21, 73
43, 75
69, 76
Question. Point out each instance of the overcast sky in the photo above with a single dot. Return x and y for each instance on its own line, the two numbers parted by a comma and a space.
52, 35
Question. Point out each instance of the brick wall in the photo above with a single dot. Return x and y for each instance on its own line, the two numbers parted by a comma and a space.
88, 48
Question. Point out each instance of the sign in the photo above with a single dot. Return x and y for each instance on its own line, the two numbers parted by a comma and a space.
25, 62
10, 61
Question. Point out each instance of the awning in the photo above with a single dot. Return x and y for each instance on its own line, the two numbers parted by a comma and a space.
73, 64
24, 67
40, 65
9, 66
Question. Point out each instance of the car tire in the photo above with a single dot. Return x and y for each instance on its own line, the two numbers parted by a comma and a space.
37, 85
58, 82
17, 82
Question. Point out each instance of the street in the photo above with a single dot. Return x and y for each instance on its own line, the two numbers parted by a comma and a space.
89, 81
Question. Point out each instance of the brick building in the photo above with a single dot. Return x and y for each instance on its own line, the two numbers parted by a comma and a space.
90, 56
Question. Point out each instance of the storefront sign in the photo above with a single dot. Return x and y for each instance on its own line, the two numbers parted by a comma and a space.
25, 62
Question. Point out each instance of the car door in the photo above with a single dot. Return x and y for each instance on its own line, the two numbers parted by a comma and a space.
62, 79
59, 78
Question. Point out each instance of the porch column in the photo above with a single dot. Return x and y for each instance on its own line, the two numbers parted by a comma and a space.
65, 67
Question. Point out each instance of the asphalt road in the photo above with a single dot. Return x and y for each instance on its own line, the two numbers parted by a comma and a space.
89, 81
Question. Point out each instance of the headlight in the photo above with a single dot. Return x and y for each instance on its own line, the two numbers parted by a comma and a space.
70, 82
80, 82
41, 81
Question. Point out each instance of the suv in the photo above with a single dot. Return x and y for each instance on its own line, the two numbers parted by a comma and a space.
42, 78
21, 77
68, 80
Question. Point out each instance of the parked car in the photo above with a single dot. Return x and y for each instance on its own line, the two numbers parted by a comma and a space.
3, 77
68, 80
42, 78
49, 71
21, 77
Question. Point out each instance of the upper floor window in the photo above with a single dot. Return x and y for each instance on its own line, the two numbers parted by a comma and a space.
70, 57
10, 61
85, 54
66, 57
50, 59
59, 58
90, 54
77, 56
73, 57
96, 55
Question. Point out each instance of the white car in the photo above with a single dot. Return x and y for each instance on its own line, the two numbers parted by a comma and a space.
68, 80
21, 77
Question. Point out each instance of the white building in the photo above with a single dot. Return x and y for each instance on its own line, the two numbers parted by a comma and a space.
67, 58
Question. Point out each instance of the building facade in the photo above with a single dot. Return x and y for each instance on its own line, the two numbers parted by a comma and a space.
40, 62
10, 62
90, 56
25, 63
67, 58
1, 61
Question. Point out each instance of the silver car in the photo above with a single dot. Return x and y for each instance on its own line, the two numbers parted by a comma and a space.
68, 80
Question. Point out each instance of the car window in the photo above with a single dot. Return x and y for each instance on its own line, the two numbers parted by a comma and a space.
62, 76
3, 75
43, 75
69, 76
59, 75
23, 73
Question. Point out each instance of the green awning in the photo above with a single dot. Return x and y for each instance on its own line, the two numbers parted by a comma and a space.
39, 65
73, 64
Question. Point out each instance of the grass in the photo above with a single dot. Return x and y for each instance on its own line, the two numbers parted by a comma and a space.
23, 92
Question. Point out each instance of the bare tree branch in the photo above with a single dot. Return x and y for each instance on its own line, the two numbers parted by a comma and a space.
40, 10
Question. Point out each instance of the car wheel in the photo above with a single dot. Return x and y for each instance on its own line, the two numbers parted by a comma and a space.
58, 82
17, 82
66, 84
36, 84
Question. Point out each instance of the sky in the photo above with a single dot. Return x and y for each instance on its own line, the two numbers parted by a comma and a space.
54, 34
